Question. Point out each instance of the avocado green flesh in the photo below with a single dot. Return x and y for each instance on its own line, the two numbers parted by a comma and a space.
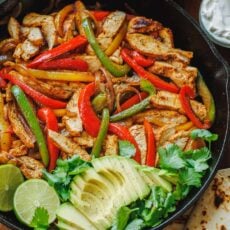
69, 218
99, 192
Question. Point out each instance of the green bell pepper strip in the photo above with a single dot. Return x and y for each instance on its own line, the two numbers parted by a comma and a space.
207, 98
131, 111
99, 102
115, 69
31, 119
101, 134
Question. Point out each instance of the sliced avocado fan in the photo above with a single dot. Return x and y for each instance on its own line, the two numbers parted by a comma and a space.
98, 193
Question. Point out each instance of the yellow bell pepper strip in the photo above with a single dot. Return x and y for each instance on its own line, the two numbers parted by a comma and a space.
185, 126
32, 121
60, 18
207, 97
59, 112
62, 76
5, 133
101, 134
37, 96
117, 40
65, 47
115, 69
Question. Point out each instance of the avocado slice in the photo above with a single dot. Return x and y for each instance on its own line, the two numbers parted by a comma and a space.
113, 182
70, 218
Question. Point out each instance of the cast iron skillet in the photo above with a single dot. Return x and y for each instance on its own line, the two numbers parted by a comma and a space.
188, 36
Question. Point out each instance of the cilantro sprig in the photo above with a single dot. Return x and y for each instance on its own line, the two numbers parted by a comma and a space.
61, 177
40, 219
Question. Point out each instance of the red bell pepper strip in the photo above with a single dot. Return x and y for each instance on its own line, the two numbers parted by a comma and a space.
37, 96
151, 145
100, 15
123, 133
155, 80
65, 47
132, 101
92, 123
141, 60
47, 116
65, 63
187, 92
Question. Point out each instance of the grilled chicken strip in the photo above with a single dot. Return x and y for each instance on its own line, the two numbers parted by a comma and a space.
46, 22
19, 126
138, 132
14, 28
179, 75
67, 145
44, 88
85, 140
171, 101
26, 50
73, 120
150, 46
111, 145
33, 34
30, 167
159, 117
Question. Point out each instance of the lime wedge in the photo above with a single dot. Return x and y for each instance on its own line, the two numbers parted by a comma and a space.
10, 178
32, 194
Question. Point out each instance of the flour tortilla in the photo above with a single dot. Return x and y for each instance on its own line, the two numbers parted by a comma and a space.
212, 211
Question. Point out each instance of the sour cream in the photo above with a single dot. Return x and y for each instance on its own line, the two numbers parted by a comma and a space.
215, 19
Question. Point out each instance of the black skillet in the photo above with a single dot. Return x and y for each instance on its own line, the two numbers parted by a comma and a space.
188, 36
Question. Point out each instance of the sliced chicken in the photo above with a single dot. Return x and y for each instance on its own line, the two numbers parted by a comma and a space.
69, 28
5, 157
159, 117
180, 76
171, 101
166, 36
150, 46
19, 126
43, 87
35, 36
85, 140
7, 45
46, 22
163, 134
26, 50
67, 145
73, 120
144, 25
111, 145
30, 167
93, 62
138, 132
18, 151
14, 28
181, 139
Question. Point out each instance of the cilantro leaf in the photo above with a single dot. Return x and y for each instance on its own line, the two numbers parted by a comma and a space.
61, 177
126, 149
190, 177
136, 224
204, 134
40, 219
122, 218
170, 157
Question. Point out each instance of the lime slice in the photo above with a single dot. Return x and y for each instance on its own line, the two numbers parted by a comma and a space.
10, 179
32, 194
